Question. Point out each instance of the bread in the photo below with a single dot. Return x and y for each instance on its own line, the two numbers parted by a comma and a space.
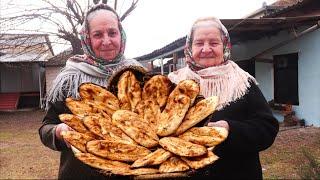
154, 158
201, 161
117, 150
76, 139
75, 123
149, 110
129, 91
157, 88
135, 127
173, 164
197, 113
206, 136
101, 163
182, 147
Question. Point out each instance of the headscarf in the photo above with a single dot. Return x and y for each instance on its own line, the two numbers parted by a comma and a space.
88, 67
227, 81
224, 37
89, 56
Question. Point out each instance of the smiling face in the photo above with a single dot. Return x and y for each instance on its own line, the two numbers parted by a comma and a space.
207, 45
104, 34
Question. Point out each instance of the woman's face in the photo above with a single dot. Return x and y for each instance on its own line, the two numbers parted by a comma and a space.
105, 35
207, 46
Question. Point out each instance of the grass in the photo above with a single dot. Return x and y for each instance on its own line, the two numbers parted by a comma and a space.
294, 155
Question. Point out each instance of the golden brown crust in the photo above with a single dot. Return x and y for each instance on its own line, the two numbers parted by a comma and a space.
181, 147
187, 87
154, 158
100, 163
206, 136
173, 114
76, 139
173, 164
149, 110
197, 113
117, 150
158, 88
75, 123
129, 91
79, 107
201, 161
135, 127
92, 123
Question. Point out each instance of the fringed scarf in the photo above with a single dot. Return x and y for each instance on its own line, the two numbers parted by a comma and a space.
87, 68
227, 81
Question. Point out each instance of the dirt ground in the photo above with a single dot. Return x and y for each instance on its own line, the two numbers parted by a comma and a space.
294, 155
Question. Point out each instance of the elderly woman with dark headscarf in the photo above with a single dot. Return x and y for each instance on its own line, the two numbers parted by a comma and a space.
242, 108
103, 41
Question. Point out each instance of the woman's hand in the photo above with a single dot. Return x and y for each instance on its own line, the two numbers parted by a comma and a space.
221, 123
60, 128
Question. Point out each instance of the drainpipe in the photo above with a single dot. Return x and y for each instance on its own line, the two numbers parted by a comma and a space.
312, 28
161, 65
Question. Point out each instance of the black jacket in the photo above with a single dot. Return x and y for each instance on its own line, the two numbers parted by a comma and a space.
252, 128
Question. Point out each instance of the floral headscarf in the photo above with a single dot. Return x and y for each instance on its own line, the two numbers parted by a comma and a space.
224, 37
89, 56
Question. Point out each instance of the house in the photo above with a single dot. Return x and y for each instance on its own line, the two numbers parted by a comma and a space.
22, 73
278, 44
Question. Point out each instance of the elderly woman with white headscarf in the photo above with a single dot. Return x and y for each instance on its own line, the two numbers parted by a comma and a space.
103, 41
242, 108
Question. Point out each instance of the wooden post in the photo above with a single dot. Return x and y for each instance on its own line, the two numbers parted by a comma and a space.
175, 59
161, 65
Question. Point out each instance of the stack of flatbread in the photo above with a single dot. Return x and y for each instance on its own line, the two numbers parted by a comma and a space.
142, 130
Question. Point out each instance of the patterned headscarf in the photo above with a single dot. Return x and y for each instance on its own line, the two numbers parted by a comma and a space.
224, 37
89, 56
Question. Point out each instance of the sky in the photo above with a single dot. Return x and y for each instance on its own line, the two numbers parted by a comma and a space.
156, 23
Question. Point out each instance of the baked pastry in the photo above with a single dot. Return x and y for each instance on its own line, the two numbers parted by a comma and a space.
206, 136
149, 110
129, 91
182, 147
158, 88
154, 158
76, 139
135, 127
197, 113
173, 164
201, 161
117, 150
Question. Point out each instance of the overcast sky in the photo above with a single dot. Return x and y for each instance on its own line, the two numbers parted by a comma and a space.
156, 23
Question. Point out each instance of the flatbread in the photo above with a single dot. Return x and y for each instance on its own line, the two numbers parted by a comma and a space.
182, 147
135, 127
201, 161
76, 139
158, 88
197, 113
206, 136
75, 123
155, 158
173, 114
173, 164
149, 110
129, 91
117, 150
101, 163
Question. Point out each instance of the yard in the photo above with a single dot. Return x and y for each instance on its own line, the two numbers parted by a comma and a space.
294, 155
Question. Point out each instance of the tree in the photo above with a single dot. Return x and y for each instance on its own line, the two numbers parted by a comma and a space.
61, 20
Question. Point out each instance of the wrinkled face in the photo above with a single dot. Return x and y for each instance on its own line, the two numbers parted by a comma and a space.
105, 35
207, 45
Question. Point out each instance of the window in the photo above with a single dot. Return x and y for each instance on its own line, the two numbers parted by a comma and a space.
286, 79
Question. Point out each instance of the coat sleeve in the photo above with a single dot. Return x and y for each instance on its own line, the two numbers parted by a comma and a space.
257, 132
49, 124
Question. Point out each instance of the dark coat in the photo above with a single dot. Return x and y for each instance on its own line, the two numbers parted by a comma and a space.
252, 128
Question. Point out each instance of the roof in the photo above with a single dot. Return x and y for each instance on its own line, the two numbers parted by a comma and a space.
60, 59
24, 47
240, 30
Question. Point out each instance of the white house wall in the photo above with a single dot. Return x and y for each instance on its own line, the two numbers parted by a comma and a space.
308, 48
